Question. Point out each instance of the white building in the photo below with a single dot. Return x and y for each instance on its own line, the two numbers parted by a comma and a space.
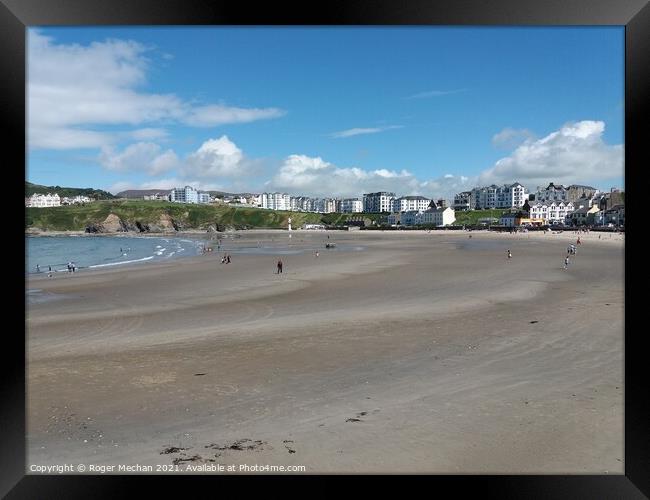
505, 196
276, 201
156, 196
438, 216
551, 193
378, 202
75, 200
255, 200
188, 194
410, 203
43, 200
351, 205
300, 203
408, 218
329, 205
553, 212
461, 200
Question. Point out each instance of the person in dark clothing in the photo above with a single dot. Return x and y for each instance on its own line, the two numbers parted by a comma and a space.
279, 266
228, 259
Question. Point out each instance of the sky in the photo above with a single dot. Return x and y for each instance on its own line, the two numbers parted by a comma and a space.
325, 111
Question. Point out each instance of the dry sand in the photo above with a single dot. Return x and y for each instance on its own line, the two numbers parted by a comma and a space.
422, 352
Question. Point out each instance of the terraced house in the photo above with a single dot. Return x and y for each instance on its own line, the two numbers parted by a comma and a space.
551, 212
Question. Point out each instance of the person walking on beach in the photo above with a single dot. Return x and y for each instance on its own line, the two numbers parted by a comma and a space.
279, 266
566, 262
38, 268
49, 268
509, 255
578, 241
228, 259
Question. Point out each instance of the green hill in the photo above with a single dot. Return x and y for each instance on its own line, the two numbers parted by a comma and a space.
471, 217
95, 194
142, 213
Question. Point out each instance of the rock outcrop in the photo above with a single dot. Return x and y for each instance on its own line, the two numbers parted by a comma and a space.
112, 224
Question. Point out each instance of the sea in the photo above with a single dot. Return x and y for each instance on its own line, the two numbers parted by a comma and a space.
97, 252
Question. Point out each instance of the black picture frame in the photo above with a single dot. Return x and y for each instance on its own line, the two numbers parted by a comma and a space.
17, 15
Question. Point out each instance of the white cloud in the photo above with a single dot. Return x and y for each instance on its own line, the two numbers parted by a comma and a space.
74, 90
148, 134
313, 176
167, 183
65, 138
360, 131
216, 158
144, 156
574, 154
434, 93
209, 116
510, 138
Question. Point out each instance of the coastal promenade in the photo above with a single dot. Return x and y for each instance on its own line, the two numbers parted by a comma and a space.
394, 352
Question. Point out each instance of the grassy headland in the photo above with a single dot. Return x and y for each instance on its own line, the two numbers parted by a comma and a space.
78, 217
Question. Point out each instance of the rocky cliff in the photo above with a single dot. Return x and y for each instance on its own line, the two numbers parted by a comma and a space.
113, 224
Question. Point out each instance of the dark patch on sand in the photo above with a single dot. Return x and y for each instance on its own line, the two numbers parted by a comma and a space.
172, 449
239, 445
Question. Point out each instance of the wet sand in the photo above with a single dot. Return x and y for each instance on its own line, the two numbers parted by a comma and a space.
422, 352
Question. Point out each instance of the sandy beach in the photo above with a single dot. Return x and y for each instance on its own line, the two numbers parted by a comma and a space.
396, 352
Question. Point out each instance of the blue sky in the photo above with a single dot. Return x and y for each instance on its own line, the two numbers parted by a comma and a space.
325, 111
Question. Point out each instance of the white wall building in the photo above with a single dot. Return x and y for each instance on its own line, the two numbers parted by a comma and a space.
410, 203
438, 216
551, 193
43, 200
156, 196
505, 196
276, 201
378, 202
185, 194
351, 205
75, 200
551, 212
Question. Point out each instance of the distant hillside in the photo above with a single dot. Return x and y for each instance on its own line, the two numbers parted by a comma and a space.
135, 194
138, 194
96, 194
223, 194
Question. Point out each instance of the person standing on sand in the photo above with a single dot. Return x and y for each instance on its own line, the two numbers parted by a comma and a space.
38, 268
279, 266
566, 262
228, 259
509, 255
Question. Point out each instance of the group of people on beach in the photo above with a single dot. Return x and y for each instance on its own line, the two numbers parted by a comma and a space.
571, 250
